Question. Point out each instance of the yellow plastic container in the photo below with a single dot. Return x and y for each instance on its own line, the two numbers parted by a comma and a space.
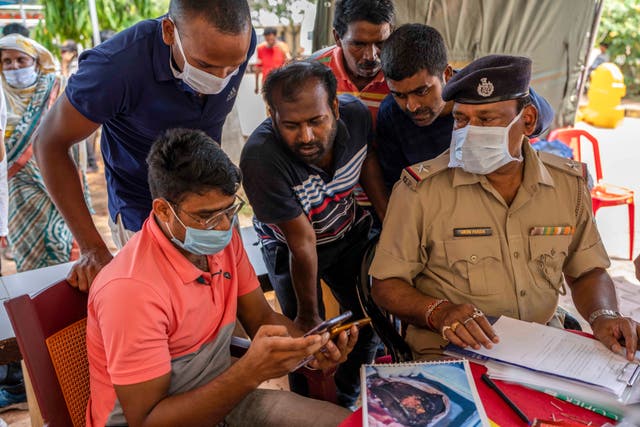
605, 92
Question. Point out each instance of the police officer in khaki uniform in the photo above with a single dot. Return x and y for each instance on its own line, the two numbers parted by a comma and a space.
492, 227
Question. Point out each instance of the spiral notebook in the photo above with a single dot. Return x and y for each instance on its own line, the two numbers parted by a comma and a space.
425, 394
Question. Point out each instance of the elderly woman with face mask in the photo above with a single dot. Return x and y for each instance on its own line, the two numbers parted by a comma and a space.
37, 233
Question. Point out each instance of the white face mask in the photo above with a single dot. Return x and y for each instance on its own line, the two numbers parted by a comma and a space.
198, 80
481, 149
22, 77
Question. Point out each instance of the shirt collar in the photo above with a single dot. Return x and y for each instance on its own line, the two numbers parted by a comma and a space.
534, 170
180, 264
161, 52
337, 57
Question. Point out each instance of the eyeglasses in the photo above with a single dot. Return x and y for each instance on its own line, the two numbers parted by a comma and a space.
214, 220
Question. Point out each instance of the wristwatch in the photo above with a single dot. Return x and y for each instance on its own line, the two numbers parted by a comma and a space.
602, 312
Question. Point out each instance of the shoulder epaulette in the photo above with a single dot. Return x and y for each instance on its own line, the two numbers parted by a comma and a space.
415, 174
572, 167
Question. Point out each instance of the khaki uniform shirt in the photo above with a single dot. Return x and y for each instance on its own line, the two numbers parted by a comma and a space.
451, 235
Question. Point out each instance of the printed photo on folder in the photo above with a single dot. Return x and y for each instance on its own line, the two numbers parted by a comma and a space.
430, 394
574, 360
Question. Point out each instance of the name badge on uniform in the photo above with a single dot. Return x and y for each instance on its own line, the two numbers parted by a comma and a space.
472, 232
552, 231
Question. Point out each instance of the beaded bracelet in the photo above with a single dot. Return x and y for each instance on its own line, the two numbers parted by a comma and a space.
432, 308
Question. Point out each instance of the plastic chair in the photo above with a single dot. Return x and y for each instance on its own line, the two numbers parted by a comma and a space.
388, 328
602, 194
50, 330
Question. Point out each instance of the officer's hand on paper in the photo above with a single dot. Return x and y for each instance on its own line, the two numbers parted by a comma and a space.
464, 325
619, 334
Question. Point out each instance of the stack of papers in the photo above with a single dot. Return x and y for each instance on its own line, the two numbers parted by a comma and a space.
554, 360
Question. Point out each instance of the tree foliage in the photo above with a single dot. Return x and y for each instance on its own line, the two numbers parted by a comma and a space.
289, 13
620, 28
69, 19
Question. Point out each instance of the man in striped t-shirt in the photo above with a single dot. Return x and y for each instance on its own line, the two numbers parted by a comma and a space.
300, 167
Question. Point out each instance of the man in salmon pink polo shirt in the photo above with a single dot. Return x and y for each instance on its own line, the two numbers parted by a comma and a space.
161, 314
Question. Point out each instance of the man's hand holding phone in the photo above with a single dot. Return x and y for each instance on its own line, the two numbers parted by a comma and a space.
343, 339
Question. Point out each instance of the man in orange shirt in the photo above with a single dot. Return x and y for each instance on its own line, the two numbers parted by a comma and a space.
161, 314
360, 27
272, 54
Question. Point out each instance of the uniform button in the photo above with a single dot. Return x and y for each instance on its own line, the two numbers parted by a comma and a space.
523, 293
516, 254
473, 258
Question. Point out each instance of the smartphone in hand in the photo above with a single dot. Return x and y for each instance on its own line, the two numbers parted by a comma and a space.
335, 331
329, 324
321, 328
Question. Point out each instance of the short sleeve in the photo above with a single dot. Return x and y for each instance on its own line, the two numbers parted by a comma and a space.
135, 340
586, 250
400, 253
247, 279
268, 183
98, 90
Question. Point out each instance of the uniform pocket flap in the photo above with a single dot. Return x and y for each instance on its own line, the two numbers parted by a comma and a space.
472, 249
549, 246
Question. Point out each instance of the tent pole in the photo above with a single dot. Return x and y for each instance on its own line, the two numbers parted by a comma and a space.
23, 14
94, 22
592, 37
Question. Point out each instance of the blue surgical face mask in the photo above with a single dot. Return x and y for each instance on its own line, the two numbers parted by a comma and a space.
22, 77
202, 242
481, 149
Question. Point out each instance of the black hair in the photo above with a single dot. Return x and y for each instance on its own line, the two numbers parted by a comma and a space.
523, 102
374, 11
413, 48
270, 30
184, 161
290, 79
228, 16
14, 28
106, 35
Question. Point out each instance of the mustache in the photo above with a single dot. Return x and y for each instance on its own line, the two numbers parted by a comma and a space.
421, 111
315, 144
369, 64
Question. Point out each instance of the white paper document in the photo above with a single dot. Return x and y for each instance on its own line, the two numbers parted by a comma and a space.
557, 352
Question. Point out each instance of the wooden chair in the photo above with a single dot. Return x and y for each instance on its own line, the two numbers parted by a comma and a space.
50, 330
603, 194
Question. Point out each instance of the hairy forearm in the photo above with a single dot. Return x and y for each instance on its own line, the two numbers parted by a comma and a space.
372, 182
304, 275
401, 299
593, 291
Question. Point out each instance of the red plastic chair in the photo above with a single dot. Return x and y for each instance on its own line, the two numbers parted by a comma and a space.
603, 194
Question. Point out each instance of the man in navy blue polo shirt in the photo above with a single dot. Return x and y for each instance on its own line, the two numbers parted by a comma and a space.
414, 123
182, 70
300, 168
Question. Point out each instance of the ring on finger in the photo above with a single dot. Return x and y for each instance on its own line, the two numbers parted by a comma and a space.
445, 329
477, 313
467, 320
454, 326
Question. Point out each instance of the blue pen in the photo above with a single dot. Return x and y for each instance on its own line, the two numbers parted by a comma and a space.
504, 397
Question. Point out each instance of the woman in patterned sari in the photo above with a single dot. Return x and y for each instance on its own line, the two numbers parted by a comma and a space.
38, 234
